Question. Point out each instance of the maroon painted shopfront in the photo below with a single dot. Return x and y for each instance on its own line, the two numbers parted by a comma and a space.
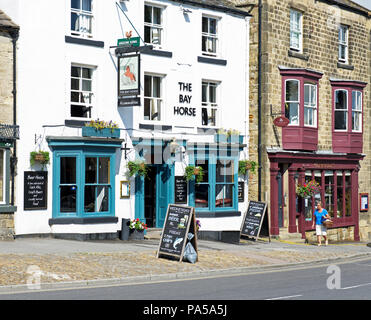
337, 175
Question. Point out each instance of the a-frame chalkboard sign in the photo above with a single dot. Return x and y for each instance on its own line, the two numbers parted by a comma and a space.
179, 221
253, 219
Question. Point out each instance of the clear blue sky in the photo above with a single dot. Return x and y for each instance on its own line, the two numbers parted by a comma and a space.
364, 3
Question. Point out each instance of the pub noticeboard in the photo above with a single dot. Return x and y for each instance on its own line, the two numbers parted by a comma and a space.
179, 221
35, 190
180, 190
253, 219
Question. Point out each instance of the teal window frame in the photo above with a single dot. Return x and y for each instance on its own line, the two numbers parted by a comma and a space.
213, 158
82, 150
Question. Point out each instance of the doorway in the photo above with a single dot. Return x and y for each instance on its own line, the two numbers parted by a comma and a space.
150, 197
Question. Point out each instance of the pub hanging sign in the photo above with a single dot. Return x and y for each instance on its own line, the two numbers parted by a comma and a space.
129, 80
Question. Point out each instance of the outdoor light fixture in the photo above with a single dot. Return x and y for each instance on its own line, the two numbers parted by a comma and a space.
185, 11
174, 146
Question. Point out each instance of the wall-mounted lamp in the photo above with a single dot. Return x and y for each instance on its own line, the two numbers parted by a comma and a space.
174, 146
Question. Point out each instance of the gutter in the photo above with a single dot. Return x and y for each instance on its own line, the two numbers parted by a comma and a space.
259, 95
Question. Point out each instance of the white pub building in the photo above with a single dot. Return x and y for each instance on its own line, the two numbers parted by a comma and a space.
171, 74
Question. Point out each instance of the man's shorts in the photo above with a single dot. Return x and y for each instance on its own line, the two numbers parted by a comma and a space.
321, 230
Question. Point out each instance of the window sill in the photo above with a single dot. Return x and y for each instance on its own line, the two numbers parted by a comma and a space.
218, 214
84, 41
298, 55
220, 62
87, 220
157, 52
7, 209
345, 66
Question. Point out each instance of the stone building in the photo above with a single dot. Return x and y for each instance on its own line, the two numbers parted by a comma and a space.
315, 71
8, 128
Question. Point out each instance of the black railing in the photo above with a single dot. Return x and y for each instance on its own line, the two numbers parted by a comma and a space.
9, 132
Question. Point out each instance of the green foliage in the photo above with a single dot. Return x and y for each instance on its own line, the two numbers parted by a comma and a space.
245, 165
137, 168
192, 173
100, 124
41, 157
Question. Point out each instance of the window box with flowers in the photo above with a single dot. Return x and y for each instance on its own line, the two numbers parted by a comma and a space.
99, 128
137, 228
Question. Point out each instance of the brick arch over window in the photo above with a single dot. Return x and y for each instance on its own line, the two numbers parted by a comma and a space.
299, 103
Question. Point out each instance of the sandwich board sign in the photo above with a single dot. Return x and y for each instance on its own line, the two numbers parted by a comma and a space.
253, 219
179, 221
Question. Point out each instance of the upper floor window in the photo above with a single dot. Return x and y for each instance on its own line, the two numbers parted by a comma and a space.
209, 36
310, 105
152, 97
343, 44
357, 111
153, 28
341, 110
81, 18
292, 101
296, 30
209, 103
81, 92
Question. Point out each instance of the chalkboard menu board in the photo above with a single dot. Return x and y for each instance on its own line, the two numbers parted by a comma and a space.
253, 219
180, 190
174, 233
35, 190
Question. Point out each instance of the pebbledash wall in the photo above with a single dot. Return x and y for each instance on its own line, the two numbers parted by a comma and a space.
65, 61
317, 62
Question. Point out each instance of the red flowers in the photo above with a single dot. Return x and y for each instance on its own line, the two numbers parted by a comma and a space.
309, 189
137, 224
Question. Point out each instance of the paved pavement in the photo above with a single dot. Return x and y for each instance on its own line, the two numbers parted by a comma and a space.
57, 263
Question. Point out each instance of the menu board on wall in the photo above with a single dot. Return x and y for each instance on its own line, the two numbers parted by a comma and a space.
179, 221
35, 190
180, 190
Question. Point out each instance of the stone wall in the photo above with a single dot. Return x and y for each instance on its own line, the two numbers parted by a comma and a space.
6, 115
320, 53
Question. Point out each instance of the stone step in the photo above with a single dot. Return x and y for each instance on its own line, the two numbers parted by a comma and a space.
153, 233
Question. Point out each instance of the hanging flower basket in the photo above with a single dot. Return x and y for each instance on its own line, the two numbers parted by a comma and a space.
246, 165
41, 157
309, 189
194, 173
137, 168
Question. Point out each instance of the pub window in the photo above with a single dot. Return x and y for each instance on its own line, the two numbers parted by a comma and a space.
209, 103
310, 105
152, 97
68, 184
357, 111
296, 30
209, 36
292, 101
81, 92
153, 27
97, 184
224, 183
81, 18
341, 110
202, 189
329, 192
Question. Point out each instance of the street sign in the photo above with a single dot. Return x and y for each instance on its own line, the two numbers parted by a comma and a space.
129, 42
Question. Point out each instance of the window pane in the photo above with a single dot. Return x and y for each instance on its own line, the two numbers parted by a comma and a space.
68, 198
75, 72
202, 195
309, 116
156, 87
75, 84
292, 112
80, 111
356, 100
75, 25
147, 34
212, 28
75, 4
204, 92
205, 166
329, 192
205, 25
91, 170
68, 170
104, 169
292, 90
356, 121
147, 86
340, 120
224, 171
212, 93
86, 5
157, 15
340, 100
86, 73
89, 200
86, 85
102, 198
148, 14
223, 195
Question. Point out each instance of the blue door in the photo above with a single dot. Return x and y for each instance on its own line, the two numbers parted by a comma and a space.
165, 192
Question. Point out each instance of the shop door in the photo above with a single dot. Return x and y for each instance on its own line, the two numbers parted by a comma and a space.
163, 193
280, 200
150, 197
